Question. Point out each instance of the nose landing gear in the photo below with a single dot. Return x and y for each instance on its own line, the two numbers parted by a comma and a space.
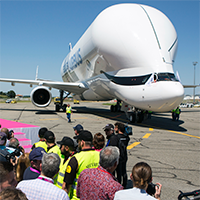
133, 114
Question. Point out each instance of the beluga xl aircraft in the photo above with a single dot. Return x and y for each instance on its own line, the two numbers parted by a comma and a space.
127, 54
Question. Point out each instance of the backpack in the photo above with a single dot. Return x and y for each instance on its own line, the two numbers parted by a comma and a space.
128, 130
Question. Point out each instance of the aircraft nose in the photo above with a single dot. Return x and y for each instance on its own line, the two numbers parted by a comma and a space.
171, 95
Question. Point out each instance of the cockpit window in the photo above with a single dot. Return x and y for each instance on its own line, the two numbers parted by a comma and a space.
140, 80
166, 77
131, 80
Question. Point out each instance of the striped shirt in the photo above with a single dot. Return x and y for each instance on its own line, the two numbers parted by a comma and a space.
38, 189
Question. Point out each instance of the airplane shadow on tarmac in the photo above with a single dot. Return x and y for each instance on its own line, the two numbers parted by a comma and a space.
31, 110
158, 120
161, 122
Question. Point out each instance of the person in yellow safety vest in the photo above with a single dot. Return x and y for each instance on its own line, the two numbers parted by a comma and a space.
174, 114
178, 112
51, 145
42, 142
149, 114
67, 151
87, 158
68, 112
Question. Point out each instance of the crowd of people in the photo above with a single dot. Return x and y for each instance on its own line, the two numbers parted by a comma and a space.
83, 167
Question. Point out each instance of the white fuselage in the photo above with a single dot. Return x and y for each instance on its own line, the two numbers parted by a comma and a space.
119, 54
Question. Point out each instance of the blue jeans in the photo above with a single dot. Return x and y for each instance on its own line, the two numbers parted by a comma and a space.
69, 117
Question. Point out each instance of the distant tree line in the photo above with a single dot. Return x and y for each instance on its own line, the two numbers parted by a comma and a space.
10, 94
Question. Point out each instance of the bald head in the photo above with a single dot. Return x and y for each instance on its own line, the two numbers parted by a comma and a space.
14, 142
8, 133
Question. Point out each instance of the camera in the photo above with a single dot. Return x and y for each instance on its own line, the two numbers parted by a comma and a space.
151, 189
4, 153
10, 134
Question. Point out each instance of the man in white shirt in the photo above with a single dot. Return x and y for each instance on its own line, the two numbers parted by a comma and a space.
43, 187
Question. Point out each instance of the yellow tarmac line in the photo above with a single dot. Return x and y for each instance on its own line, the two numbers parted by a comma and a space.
185, 134
49, 119
147, 135
133, 145
79, 118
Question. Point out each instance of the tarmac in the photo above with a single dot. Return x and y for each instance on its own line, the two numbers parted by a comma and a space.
171, 148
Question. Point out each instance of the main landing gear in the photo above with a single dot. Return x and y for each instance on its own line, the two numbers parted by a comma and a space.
136, 116
60, 105
116, 108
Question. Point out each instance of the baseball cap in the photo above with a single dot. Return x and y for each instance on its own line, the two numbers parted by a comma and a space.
78, 127
3, 138
84, 135
36, 153
49, 136
66, 141
109, 127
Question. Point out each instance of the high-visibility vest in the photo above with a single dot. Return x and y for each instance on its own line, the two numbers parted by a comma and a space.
41, 144
85, 159
60, 178
68, 109
177, 111
56, 150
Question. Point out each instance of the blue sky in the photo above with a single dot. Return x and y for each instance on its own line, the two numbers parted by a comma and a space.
37, 33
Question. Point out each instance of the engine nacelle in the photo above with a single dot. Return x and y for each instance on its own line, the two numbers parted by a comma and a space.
41, 96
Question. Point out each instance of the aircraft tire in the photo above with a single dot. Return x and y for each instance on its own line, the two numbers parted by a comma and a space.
140, 117
57, 108
117, 108
132, 117
112, 108
64, 107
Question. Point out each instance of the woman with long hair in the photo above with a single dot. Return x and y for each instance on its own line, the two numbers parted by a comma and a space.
23, 163
98, 141
141, 177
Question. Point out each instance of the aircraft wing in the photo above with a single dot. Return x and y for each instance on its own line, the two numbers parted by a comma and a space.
185, 86
76, 88
191, 86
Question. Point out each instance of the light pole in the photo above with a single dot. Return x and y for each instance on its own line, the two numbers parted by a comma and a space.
194, 63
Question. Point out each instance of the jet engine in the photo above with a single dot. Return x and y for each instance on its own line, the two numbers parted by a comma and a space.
41, 96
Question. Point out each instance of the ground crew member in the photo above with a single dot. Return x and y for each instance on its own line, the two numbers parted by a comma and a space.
67, 151
87, 158
177, 111
68, 112
51, 145
174, 114
149, 114
42, 142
